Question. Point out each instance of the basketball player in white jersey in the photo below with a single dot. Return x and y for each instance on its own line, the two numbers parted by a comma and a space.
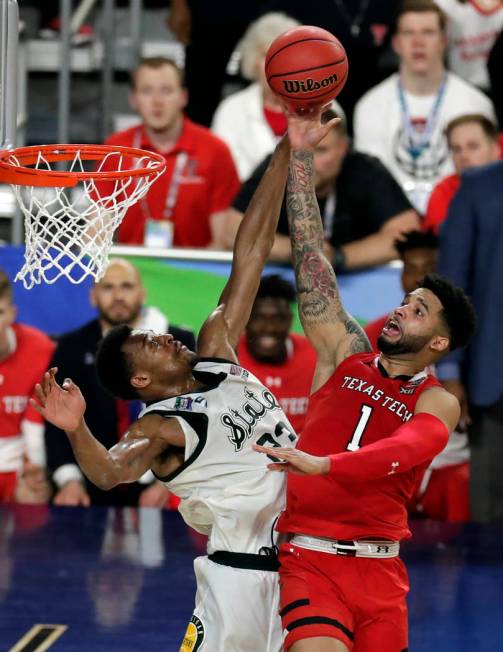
203, 414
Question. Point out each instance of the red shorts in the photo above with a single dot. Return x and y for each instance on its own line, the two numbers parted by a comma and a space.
357, 600
8, 481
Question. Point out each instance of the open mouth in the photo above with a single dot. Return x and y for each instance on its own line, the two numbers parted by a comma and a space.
391, 328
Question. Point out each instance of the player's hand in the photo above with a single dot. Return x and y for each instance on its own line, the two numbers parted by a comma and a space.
295, 461
63, 406
180, 20
156, 495
305, 130
72, 494
458, 389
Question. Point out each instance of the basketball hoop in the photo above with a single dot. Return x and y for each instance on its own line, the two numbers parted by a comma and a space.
70, 216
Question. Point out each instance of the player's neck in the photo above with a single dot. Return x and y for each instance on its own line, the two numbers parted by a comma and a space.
422, 84
165, 139
401, 365
7, 344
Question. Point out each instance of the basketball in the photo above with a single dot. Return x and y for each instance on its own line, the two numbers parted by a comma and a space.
306, 66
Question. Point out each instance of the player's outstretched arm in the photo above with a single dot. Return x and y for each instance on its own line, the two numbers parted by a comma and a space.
415, 442
128, 460
332, 331
221, 331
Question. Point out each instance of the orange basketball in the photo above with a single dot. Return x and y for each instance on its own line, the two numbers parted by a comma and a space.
306, 66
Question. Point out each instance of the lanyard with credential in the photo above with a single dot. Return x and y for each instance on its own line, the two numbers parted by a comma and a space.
419, 142
173, 188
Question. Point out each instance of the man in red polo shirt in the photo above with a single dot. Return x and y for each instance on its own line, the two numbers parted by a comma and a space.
185, 205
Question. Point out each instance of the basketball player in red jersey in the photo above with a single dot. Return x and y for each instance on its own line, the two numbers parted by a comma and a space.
374, 423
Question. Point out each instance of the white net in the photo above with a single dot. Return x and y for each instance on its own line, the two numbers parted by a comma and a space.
69, 231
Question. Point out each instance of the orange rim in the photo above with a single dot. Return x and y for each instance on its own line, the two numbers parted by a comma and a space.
18, 174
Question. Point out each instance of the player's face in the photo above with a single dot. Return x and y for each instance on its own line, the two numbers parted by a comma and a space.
328, 157
411, 327
7, 315
119, 295
163, 358
158, 97
416, 264
268, 328
420, 42
471, 147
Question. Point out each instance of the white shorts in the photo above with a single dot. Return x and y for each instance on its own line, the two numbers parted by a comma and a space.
237, 610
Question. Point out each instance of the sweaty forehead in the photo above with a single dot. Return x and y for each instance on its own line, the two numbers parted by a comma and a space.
431, 300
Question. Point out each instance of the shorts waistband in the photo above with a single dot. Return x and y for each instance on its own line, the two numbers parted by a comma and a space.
359, 548
245, 560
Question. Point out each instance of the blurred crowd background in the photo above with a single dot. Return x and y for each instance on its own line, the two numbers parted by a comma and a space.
411, 179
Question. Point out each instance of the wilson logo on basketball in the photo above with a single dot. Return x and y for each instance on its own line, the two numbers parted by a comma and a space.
308, 85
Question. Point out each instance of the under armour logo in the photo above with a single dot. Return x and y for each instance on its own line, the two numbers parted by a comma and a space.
394, 467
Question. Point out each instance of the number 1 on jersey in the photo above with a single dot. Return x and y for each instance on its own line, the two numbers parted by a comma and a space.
354, 442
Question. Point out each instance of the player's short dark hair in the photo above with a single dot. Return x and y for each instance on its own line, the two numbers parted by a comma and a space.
486, 124
155, 63
416, 240
274, 286
5, 286
420, 7
458, 313
112, 364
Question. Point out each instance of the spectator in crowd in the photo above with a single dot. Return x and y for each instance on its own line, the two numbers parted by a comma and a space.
209, 28
119, 298
363, 208
184, 207
283, 361
471, 254
442, 490
473, 141
363, 27
25, 353
472, 29
418, 102
252, 121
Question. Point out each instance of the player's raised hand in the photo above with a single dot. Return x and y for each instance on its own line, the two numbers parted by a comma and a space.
63, 406
295, 461
305, 129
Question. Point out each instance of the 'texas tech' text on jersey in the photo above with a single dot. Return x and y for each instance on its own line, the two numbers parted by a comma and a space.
359, 405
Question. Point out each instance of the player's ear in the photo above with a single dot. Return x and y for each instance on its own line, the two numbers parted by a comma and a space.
439, 343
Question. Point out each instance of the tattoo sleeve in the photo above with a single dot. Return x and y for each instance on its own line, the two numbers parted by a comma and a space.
318, 294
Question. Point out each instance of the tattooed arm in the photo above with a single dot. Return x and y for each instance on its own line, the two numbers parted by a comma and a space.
332, 331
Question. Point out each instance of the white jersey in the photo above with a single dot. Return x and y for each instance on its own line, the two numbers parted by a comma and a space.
389, 138
226, 490
472, 29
